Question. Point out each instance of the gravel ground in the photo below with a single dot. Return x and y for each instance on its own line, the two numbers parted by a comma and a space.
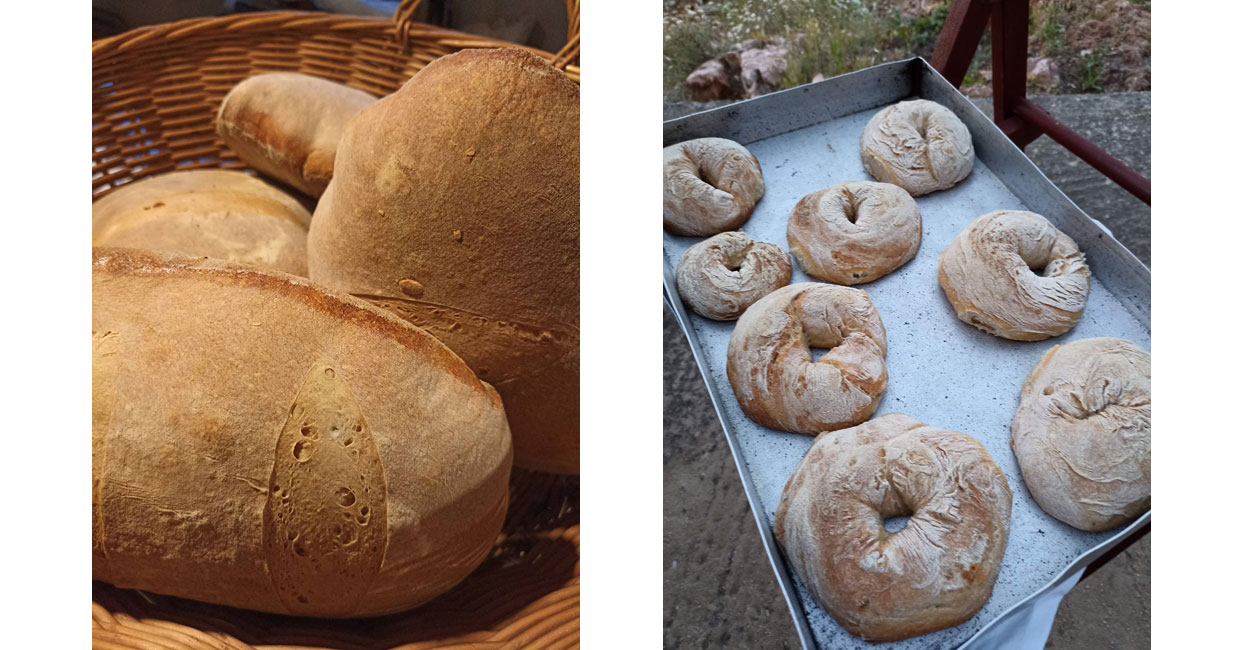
718, 589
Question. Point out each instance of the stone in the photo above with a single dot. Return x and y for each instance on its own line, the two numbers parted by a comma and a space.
718, 78
762, 69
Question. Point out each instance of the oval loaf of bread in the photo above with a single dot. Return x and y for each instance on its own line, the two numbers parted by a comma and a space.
228, 215
263, 443
455, 206
287, 125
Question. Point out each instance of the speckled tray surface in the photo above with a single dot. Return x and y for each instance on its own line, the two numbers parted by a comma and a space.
942, 371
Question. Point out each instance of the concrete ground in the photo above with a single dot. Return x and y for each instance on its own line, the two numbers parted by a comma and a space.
719, 590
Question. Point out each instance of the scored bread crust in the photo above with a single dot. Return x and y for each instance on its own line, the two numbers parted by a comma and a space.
261, 442
710, 185
938, 570
854, 232
987, 273
772, 371
455, 205
919, 145
227, 215
288, 125
1082, 433
722, 276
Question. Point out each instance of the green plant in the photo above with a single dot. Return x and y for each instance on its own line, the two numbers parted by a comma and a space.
1093, 66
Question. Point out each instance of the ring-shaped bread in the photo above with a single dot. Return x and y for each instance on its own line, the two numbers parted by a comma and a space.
1082, 433
722, 276
935, 572
773, 372
854, 232
919, 145
1012, 274
710, 185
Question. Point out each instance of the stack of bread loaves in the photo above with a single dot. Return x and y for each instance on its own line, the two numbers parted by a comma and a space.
340, 445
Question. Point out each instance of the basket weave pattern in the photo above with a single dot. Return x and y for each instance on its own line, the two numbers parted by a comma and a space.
156, 91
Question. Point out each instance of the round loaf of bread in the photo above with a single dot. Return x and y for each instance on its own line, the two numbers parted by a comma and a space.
710, 185
935, 572
919, 145
1082, 433
288, 125
722, 276
1012, 274
217, 213
773, 372
455, 206
260, 442
854, 232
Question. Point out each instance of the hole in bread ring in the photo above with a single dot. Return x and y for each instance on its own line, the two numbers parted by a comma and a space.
722, 276
935, 572
710, 185
772, 368
1013, 274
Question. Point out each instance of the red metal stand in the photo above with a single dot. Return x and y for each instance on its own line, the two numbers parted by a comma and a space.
1022, 120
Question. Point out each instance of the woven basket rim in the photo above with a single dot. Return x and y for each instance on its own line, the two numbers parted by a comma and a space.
267, 21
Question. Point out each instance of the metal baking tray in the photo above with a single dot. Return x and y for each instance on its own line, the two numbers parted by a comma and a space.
942, 371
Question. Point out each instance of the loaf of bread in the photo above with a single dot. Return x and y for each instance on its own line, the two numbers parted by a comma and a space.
263, 443
216, 213
287, 125
455, 205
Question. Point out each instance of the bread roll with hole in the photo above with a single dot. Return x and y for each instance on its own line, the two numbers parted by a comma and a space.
772, 369
710, 185
1082, 433
287, 125
938, 570
217, 213
1012, 274
854, 232
455, 206
722, 276
919, 145
261, 442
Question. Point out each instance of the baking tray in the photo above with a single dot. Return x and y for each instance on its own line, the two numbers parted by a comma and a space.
942, 371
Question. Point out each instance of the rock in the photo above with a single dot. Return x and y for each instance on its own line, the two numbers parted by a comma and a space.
762, 69
817, 77
1043, 73
718, 78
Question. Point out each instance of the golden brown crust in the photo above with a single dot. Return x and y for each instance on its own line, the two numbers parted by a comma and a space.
455, 205
854, 232
919, 145
722, 276
288, 125
1082, 433
276, 446
772, 371
216, 213
938, 570
988, 274
710, 185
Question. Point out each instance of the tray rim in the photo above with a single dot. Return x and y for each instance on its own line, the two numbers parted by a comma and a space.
916, 68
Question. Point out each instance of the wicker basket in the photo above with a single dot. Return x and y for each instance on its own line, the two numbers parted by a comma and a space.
155, 94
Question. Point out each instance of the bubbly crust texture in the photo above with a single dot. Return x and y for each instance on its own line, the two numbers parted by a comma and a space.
919, 145
455, 206
854, 232
772, 371
287, 125
264, 443
988, 273
722, 276
710, 185
1082, 433
938, 570
227, 215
